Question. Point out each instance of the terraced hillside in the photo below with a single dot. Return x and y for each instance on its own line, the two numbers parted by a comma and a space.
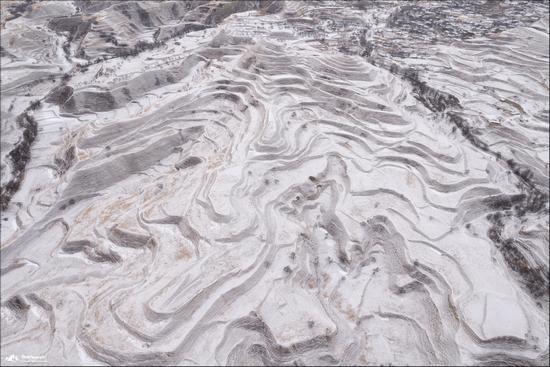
274, 182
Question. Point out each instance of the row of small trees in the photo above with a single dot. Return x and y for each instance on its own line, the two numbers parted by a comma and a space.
21, 154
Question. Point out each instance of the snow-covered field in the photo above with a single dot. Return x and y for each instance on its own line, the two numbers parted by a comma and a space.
276, 183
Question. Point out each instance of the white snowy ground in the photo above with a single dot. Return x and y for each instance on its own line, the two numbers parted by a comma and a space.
263, 191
